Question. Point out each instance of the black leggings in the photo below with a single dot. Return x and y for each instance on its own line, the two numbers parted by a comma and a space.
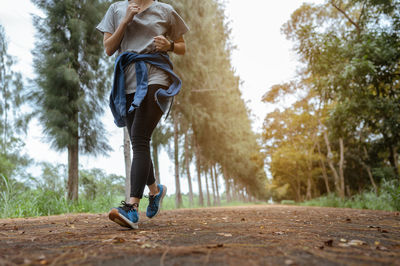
141, 123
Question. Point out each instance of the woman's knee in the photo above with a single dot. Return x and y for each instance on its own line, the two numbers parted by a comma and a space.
140, 142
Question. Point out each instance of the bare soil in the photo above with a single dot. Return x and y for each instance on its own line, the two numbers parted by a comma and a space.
251, 235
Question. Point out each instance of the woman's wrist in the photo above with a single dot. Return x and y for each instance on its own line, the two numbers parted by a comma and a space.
171, 46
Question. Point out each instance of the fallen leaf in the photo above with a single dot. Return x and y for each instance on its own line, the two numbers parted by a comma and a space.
118, 240
289, 262
343, 245
373, 226
115, 240
356, 242
216, 246
377, 243
381, 248
224, 234
382, 230
43, 262
329, 243
148, 245
343, 240
279, 233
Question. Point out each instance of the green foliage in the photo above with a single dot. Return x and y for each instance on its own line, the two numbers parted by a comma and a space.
47, 195
348, 88
210, 109
392, 188
388, 199
71, 76
13, 121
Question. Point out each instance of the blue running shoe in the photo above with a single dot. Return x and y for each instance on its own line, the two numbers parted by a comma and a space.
155, 202
126, 215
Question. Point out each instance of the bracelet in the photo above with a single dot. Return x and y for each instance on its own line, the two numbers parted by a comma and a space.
171, 49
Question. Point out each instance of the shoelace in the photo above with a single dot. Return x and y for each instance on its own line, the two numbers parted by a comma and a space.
152, 202
129, 207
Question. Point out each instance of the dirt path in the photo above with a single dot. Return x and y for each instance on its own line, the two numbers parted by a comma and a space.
256, 235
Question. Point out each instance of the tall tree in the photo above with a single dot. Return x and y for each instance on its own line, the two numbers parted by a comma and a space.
349, 50
12, 120
210, 101
160, 138
71, 81
187, 159
178, 195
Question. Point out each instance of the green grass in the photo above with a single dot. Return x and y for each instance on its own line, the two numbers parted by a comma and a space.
387, 199
16, 200
169, 203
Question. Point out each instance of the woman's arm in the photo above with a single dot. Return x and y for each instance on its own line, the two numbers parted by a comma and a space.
112, 42
163, 45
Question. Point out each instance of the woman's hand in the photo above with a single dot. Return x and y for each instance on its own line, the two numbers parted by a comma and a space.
161, 43
131, 11
112, 41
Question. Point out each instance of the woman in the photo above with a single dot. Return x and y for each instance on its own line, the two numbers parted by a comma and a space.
142, 31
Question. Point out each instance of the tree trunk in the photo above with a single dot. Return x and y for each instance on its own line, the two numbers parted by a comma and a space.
208, 192
227, 187
178, 196
341, 165
155, 148
298, 191
187, 166
213, 186
197, 151
128, 162
368, 169
324, 173
73, 170
394, 160
333, 169
309, 196
216, 185
236, 191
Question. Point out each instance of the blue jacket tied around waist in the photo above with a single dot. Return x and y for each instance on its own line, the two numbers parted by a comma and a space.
164, 98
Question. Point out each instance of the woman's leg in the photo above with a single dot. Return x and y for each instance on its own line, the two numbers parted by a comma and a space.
141, 124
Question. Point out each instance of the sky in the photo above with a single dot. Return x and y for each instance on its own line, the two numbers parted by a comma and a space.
263, 57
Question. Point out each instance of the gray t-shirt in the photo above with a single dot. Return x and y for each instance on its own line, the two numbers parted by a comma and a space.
157, 19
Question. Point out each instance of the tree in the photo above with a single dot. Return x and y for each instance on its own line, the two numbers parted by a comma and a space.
71, 81
350, 76
13, 121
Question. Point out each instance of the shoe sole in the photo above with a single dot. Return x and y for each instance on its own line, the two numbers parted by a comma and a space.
162, 197
121, 220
